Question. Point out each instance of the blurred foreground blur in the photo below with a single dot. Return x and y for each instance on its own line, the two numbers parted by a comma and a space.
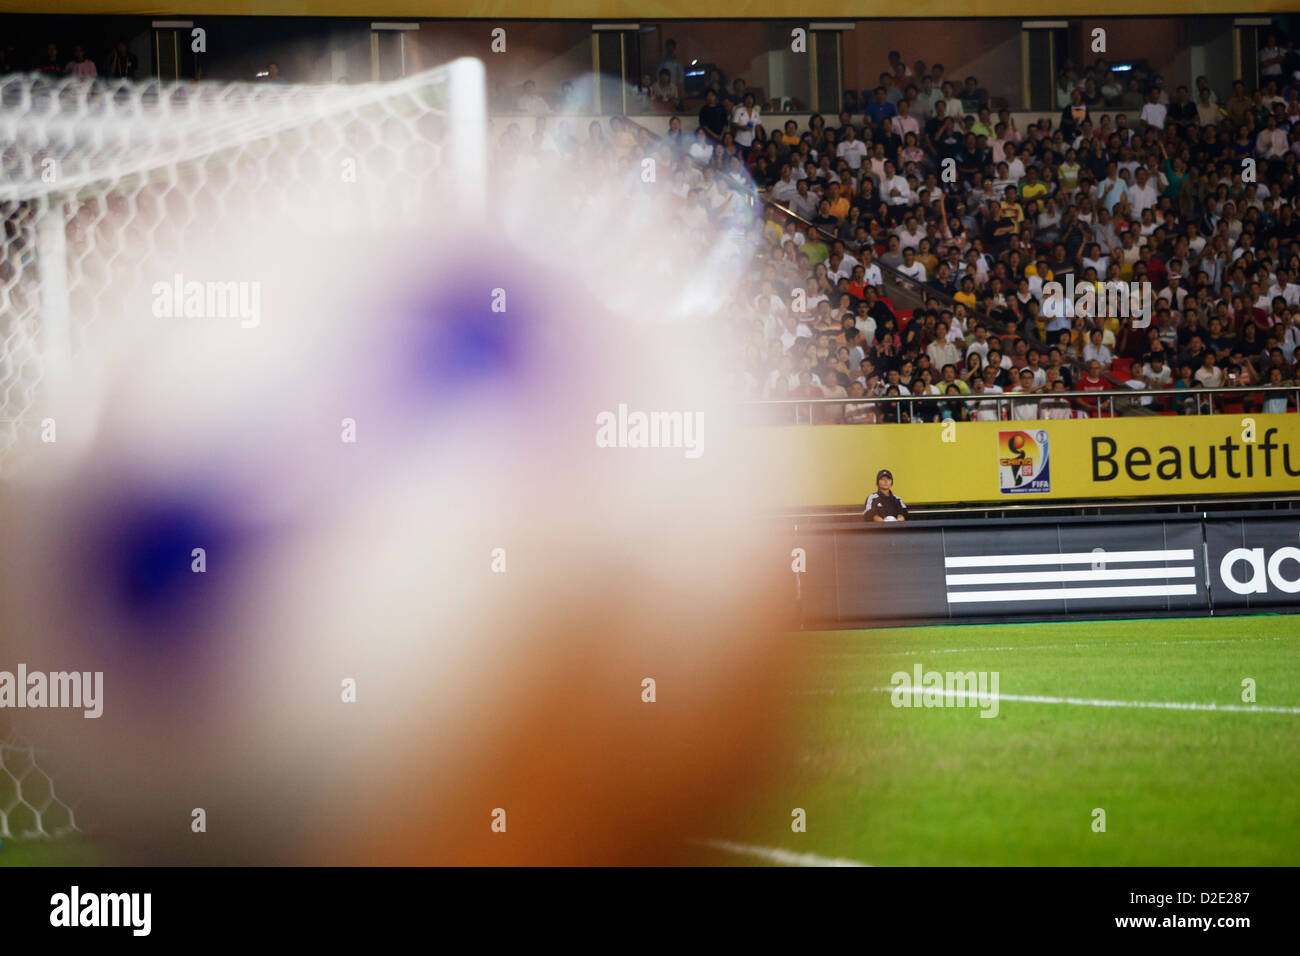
394, 481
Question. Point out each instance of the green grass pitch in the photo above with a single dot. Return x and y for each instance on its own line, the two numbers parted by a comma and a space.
943, 786
64, 851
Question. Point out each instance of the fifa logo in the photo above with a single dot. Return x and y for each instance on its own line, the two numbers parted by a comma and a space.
1024, 463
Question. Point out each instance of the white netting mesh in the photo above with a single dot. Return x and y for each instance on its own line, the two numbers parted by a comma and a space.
30, 805
102, 182
97, 178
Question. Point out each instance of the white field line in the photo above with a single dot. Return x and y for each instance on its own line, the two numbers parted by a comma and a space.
1092, 702
775, 855
1048, 647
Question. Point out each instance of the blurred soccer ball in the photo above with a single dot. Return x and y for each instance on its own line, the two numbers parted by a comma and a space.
327, 561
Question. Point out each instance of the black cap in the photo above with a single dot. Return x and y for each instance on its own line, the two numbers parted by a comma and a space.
884, 473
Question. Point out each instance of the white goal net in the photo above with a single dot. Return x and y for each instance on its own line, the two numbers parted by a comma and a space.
98, 179
31, 804
102, 184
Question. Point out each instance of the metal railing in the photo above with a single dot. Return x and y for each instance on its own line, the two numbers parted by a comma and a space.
867, 409
1137, 509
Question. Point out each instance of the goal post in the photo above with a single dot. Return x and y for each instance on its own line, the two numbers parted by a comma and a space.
467, 82
97, 176
52, 263
102, 182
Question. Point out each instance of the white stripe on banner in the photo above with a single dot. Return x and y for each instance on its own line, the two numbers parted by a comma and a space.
1040, 577
1077, 557
1071, 594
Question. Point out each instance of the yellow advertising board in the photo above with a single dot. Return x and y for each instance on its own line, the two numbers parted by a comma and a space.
1011, 463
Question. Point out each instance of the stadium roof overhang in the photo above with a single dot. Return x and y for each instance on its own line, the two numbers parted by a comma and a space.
642, 9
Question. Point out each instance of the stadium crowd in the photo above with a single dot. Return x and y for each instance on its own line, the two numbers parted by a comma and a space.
115, 62
1196, 198
930, 177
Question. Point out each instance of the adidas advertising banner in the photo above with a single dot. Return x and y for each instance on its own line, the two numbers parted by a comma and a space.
1047, 569
1020, 462
1254, 562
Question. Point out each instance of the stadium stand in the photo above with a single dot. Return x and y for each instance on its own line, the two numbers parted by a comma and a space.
1196, 199
904, 246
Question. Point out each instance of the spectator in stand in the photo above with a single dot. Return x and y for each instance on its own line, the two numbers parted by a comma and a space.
713, 117
1208, 113
806, 388
1272, 141
1096, 351
665, 94
122, 63
903, 122
1275, 403
786, 188
1156, 374
955, 408
79, 66
1056, 408
805, 203
1074, 115
531, 102
51, 66
851, 149
880, 110
1209, 375
1025, 409
910, 267
1182, 111
1271, 59
1154, 113
1093, 381
745, 120
673, 66
941, 350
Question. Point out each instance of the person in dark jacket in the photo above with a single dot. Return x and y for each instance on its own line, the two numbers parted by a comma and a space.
884, 505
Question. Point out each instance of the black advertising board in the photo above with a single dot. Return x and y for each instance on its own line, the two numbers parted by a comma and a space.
926, 572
